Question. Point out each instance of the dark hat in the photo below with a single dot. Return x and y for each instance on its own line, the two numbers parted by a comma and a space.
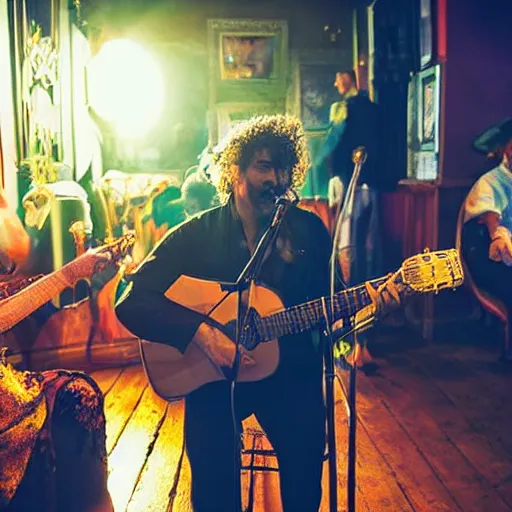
494, 137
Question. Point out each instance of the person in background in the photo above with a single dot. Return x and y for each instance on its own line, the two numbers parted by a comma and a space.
198, 194
486, 233
355, 122
171, 207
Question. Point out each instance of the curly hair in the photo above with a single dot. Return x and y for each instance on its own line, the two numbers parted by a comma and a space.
282, 135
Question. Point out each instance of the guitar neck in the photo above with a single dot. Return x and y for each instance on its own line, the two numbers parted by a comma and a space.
311, 315
20, 305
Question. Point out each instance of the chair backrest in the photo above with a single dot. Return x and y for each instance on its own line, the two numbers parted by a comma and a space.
458, 232
488, 302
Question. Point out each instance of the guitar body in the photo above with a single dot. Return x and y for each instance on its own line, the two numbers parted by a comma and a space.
172, 374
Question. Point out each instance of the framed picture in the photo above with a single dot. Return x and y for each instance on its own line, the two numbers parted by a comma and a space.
248, 60
426, 33
428, 125
317, 94
247, 57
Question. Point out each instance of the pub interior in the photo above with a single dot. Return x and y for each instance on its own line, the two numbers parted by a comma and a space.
115, 119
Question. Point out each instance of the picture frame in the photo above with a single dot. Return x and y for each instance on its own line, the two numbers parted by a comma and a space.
247, 59
312, 92
317, 94
245, 56
426, 33
428, 108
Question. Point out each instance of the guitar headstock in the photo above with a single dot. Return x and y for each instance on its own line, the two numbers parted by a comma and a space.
97, 259
119, 247
432, 271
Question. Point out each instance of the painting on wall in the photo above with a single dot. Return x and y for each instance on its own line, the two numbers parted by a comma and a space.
247, 57
317, 94
429, 108
426, 33
428, 129
248, 60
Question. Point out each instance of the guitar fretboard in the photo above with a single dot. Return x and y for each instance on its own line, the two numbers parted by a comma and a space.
313, 314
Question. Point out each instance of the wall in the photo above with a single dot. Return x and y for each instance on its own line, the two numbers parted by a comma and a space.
178, 31
478, 80
8, 156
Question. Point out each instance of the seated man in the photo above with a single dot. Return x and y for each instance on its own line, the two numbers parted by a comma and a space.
198, 194
486, 234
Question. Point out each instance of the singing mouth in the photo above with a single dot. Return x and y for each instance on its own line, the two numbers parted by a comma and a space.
269, 196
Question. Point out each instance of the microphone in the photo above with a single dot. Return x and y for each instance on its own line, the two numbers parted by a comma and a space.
359, 155
286, 199
289, 196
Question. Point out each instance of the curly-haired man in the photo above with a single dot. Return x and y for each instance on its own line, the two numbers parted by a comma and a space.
261, 160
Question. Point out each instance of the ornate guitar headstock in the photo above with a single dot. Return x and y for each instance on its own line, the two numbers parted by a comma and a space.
119, 248
432, 271
97, 259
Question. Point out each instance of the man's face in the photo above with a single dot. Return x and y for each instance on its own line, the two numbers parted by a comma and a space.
262, 182
343, 83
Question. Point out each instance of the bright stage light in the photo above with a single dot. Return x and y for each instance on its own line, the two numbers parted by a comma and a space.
126, 87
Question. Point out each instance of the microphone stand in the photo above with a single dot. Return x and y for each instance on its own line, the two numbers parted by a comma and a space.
344, 215
249, 275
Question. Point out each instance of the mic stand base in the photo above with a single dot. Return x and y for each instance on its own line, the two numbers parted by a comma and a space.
330, 376
352, 429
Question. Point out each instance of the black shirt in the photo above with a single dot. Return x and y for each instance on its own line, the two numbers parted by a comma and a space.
213, 246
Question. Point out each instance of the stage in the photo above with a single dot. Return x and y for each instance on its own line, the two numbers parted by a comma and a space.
433, 435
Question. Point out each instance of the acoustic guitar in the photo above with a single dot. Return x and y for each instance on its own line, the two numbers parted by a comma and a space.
173, 374
20, 297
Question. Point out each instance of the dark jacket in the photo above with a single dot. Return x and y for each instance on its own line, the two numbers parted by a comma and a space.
213, 246
361, 128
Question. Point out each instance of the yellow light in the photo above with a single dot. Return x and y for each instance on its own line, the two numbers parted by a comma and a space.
126, 87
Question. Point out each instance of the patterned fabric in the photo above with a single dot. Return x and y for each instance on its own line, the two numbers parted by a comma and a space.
23, 412
37, 466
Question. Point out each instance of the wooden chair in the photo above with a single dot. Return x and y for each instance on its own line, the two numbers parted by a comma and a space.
260, 469
491, 304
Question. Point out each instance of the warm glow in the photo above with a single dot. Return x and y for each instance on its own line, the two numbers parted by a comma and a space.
126, 87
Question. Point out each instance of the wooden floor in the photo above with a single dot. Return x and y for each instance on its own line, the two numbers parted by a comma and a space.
434, 434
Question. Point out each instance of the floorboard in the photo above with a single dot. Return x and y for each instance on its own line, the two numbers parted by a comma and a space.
375, 477
432, 436
106, 378
121, 401
488, 411
487, 457
133, 447
411, 469
162, 469
468, 488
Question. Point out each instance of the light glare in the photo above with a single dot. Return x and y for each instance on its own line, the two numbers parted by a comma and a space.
126, 87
